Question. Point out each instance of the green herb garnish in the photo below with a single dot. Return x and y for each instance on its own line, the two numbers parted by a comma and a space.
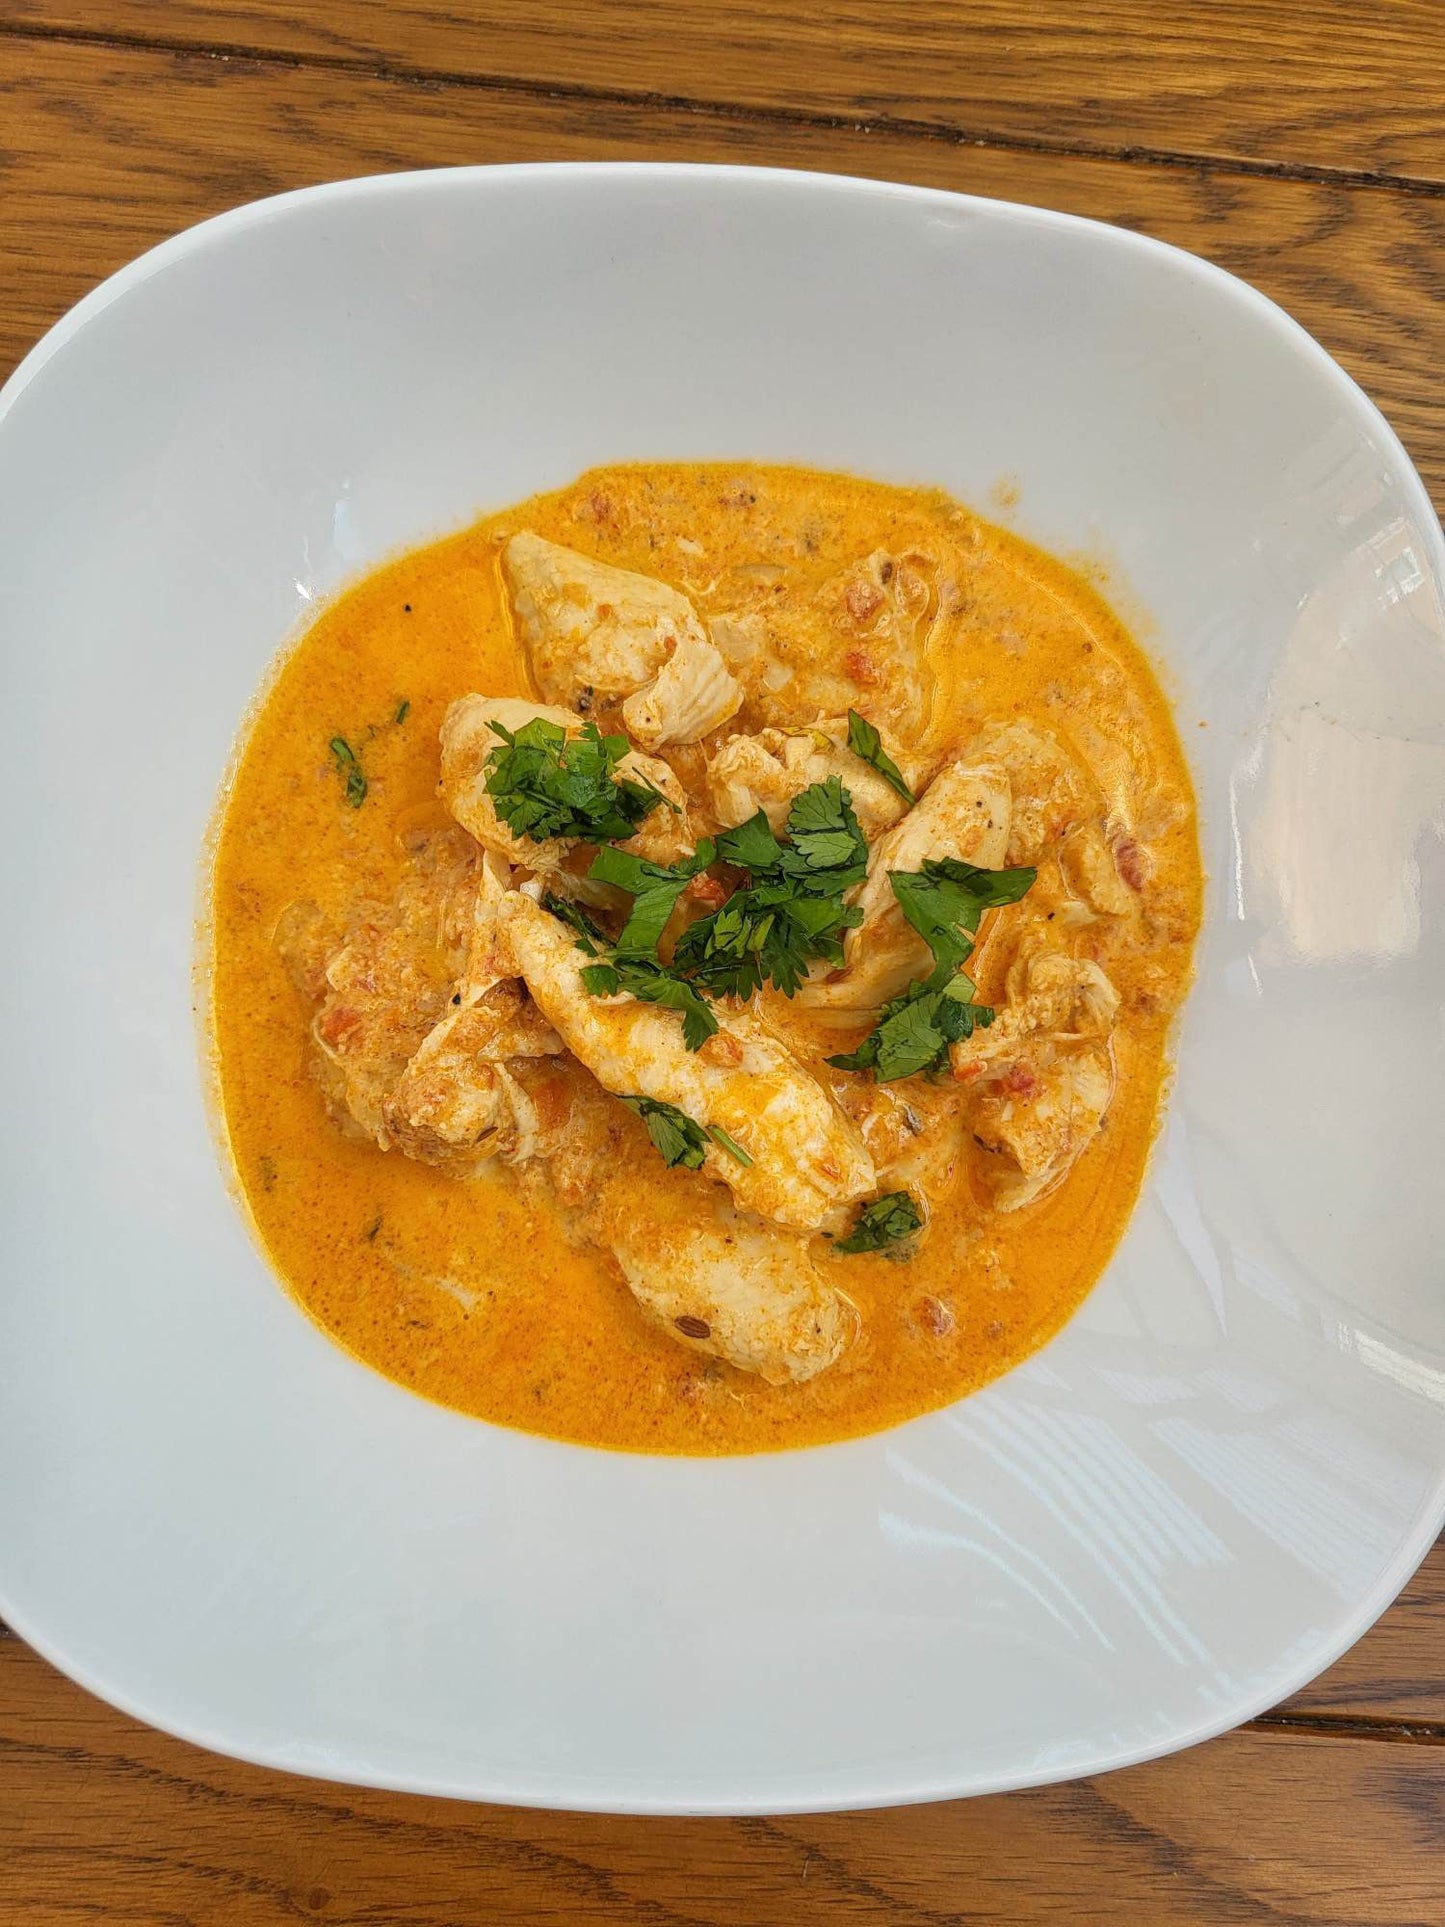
654, 889
544, 783
350, 770
915, 1029
791, 913
944, 902
827, 848
679, 1138
865, 742
641, 977
946, 899
650, 983
887, 1221
403, 710
729, 1144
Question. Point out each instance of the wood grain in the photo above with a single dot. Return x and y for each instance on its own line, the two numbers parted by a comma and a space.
1397, 1671
114, 149
1303, 146
106, 1819
1297, 84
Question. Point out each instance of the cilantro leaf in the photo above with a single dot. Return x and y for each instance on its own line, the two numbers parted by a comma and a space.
826, 846
591, 936
767, 933
915, 1029
679, 1138
654, 889
650, 983
887, 1221
545, 783
867, 744
350, 771
752, 845
791, 913
728, 1144
945, 902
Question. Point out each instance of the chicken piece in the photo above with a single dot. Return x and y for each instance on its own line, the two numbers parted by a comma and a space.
1049, 789
418, 1011
914, 1133
598, 634
965, 812
1047, 994
387, 982
768, 770
807, 1160
1041, 1076
467, 742
888, 620
1090, 870
1041, 1125
592, 631
710, 1276
459, 1102
691, 695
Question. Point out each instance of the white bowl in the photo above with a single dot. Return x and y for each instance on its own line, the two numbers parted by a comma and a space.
1197, 1495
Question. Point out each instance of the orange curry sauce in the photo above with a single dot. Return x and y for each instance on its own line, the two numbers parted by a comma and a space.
466, 1292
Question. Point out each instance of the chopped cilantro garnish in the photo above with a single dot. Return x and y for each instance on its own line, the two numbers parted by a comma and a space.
866, 743
791, 912
915, 1029
827, 847
592, 937
350, 770
403, 710
650, 983
944, 902
729, 1144
640, 977
679, 1138
654, 889
887, 1221
545, 783
946, 899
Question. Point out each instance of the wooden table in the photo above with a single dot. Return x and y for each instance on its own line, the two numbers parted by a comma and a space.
1300, 143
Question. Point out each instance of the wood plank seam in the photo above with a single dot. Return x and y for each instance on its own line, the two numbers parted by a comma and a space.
899, 126
1353, 1726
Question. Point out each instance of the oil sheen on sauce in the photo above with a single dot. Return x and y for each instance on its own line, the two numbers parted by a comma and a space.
465, 1292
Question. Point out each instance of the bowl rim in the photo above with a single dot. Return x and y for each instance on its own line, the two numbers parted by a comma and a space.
556, 1794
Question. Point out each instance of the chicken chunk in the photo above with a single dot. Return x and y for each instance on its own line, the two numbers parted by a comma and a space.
460, 1102
467, 742
807, 1161
691, 695
599, 634
716, 1279
1049, 789
1091, 871
767, 771
415, 1024
1047, 994
1041, 1077
965, 812
386, 981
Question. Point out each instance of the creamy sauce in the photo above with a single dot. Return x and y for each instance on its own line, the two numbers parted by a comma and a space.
470, 1292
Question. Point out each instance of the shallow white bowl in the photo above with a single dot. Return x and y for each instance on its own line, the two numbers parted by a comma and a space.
1188, 1503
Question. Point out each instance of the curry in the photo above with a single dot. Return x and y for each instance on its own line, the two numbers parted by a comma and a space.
693, 957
